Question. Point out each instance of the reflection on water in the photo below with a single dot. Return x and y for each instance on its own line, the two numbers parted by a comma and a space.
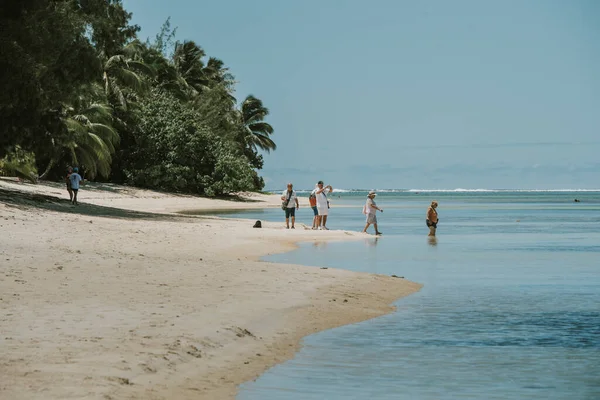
508, 311
372, 242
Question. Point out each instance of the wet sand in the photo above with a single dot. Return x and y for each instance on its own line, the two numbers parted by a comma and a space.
124, 298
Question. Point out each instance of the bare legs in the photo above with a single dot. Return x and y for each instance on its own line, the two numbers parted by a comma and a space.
431, 231
324, 219
375, 225
287, 222
321, 221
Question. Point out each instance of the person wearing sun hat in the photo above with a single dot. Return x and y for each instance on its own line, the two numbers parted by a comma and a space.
370, 209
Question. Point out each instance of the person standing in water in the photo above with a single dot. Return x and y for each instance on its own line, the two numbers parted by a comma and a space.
370, 209
432, 218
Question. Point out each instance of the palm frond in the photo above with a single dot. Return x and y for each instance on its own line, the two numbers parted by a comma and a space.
253, 110
134, 49
115, 61
262, 127
129, 79
82, 119
262, 141
106, 132
75, 126
142, 67
118, 93
99, 112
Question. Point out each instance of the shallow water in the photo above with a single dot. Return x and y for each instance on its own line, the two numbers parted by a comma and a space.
510, 307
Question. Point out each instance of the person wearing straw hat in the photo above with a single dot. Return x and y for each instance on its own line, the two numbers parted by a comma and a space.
370, 209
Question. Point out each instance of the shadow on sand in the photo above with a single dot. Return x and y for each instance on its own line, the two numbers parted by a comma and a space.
25, 200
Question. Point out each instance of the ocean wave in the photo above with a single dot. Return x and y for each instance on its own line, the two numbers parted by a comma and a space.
460, 190
457, 190
310, 190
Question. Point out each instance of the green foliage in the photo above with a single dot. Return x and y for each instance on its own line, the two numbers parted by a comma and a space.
18, 162
164, 42
83, 135
79, 88
45, 57
108, 23
231, 174
257, 131
176, 152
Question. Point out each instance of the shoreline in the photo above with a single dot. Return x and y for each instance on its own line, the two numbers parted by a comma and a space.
116, 300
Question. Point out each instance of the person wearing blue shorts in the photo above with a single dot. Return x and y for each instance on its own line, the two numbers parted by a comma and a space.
312, 200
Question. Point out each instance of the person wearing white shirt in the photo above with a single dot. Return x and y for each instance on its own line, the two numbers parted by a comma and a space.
322, 204
370, 209
290, 200
75, 179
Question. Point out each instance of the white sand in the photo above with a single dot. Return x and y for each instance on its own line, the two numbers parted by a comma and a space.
111, 300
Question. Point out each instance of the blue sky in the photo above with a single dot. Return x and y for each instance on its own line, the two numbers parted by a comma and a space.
411, 94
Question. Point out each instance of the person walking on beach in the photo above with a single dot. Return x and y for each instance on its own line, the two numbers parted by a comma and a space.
290, 204
322, 204
75, 179
370, 209
68, 181
312, 200
432, 218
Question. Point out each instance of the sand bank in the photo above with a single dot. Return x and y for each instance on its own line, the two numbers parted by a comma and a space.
120, 298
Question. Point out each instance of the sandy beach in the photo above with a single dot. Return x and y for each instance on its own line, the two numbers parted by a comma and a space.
123, 297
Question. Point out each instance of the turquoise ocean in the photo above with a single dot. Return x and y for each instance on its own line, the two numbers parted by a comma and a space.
510, 307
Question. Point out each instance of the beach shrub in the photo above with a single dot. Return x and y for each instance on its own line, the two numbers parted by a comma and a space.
80, 88
175, 151
18, 162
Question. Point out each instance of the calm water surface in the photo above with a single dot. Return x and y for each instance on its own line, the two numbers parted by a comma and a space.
510, 307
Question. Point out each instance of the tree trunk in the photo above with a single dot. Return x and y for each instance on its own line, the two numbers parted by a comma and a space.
48, 168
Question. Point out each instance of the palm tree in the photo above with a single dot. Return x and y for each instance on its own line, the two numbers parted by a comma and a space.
257, 132
126, 71
84, 134
166, 75
90, 143
218, 76
187, 60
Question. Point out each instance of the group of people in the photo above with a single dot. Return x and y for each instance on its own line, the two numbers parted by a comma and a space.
320, 205
73, 180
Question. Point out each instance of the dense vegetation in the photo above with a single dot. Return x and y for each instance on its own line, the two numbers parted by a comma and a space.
80, 88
